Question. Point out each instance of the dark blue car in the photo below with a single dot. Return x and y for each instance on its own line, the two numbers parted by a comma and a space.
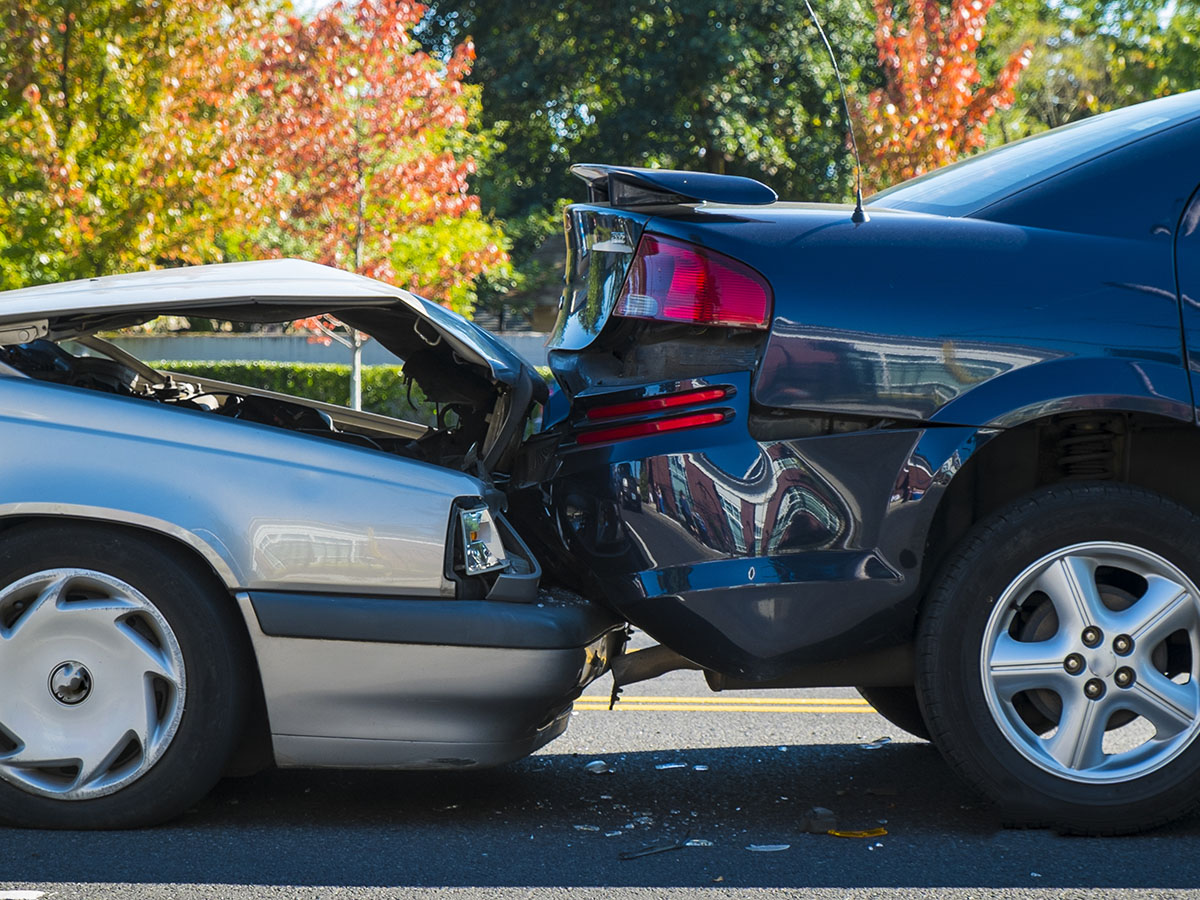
946, 455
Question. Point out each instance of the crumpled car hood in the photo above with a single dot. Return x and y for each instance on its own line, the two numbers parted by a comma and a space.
266, 291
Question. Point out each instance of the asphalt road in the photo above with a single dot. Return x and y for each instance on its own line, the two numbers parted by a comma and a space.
546, 827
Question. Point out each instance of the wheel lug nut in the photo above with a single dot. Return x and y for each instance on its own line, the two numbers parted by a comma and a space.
1094, 689
1073, 664
1124, 677
1092, 636
1122, 644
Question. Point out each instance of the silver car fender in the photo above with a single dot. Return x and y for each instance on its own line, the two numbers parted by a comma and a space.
268, 508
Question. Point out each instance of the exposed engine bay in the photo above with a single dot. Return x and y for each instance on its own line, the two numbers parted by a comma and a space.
452, 440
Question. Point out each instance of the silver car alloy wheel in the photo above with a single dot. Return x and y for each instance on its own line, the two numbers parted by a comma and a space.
1089, 662
93, 684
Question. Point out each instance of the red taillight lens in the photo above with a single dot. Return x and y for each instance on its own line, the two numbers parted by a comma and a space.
655, 404
641, 429
674, 281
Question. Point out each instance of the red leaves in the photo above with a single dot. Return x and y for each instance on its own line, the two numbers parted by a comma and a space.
324, 329
361, 133
932, 108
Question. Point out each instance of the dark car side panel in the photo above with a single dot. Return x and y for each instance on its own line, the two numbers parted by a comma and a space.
1187, 263
908, 315
1137, 192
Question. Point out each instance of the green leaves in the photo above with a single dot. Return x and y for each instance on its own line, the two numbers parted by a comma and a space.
737, 87
110, 163
142, 135
1093, 56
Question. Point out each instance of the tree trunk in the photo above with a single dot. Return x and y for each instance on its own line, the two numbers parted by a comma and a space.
356, 336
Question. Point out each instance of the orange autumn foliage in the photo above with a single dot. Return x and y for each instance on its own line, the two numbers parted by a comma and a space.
364, 147
933, 106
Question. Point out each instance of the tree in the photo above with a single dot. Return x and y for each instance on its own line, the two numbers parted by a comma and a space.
932, 108
114, 154
368, 143
1092, 56
369, 147
730, 86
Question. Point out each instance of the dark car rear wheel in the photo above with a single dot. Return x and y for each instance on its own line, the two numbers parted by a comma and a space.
121, 700
1059, 659
899, 706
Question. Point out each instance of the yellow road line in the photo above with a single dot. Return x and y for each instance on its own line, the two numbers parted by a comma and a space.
730, 704
680, 707
738, 701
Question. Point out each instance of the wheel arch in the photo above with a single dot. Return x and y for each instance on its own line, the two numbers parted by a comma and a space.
219, 564
1135, 447
1076, 384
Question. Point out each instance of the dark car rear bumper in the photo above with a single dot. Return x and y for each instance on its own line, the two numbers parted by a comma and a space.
758, 557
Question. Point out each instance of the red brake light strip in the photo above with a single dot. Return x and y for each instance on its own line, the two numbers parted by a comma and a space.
654, 404
658, 426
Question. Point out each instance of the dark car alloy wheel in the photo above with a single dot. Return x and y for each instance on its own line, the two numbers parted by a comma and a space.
121, 700
1059, 659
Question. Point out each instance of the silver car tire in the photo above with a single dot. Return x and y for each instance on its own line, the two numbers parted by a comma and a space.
120, 662
1058, 659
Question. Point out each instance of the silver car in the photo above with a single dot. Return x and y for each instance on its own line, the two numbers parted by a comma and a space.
197, 576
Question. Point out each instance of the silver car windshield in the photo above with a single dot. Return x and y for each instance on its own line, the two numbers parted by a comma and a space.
968, 186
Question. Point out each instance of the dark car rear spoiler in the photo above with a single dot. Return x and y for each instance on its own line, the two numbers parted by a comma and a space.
628, 186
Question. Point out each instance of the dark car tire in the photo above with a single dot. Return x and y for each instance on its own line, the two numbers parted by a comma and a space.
1006, 655
174, 642
899, 706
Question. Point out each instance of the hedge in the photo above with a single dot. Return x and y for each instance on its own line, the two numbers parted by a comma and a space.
383, 387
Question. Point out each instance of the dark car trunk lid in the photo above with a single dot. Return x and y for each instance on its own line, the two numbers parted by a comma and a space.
602, 235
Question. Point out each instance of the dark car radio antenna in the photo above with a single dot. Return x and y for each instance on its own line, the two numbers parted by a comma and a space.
859, 215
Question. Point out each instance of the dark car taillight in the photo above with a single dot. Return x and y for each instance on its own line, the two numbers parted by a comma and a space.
674, 281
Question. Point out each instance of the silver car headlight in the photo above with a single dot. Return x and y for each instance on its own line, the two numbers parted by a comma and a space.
483, 551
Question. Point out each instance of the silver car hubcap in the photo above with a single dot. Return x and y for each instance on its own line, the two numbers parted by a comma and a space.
94, 684
1089, 662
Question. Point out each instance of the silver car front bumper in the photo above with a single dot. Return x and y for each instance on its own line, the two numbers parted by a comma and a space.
419, 683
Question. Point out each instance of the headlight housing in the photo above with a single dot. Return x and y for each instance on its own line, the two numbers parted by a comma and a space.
483, 550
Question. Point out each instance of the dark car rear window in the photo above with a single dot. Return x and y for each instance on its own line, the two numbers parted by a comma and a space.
974, 183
